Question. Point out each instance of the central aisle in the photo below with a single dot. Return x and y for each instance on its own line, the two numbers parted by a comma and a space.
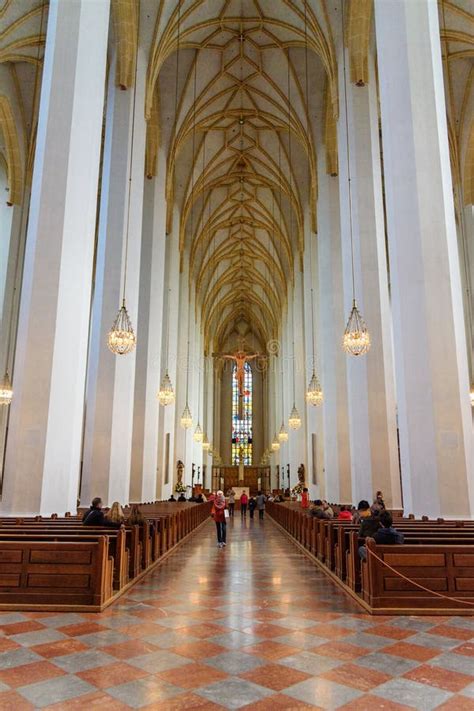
255, 626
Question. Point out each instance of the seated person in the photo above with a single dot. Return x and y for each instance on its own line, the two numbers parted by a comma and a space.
95, 516
199, 499
136, 517
328, 510
181, 498
369, 521
317, 510
114, 516
378, 501
387, 535
344, 514
171, 498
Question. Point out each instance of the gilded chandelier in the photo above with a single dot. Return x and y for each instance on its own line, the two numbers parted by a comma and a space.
356, 339
121, 338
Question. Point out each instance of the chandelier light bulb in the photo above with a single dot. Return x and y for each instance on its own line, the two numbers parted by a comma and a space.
356, 339
121, 338
6, 390
166, 393
275, 444
283, 434
314, 393
186, 420
294, 420
206, 444
198, 435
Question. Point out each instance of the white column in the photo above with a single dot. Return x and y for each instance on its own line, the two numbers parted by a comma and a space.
297, 441
337, 465
111, 378
149, 346
371, 388
43, 449
436, 438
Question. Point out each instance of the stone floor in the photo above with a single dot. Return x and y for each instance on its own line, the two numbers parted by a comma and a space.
255, 626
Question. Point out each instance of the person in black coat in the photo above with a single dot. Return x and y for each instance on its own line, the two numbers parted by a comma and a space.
95, 516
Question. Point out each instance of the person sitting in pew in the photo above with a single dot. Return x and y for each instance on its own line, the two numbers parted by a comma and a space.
345, 513
318, 511
181, 498
171, 498
328, 510
387, 535
114, 515
369, 520
95, 516
136, 517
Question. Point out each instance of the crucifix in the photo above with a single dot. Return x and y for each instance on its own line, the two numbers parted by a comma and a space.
240, 358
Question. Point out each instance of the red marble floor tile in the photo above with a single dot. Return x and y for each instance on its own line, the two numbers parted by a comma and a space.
7, 644
270, 650
142, 629
467, 649
11, 701
82, 628
453, 632
266, 630
263, 615
127, 650
329, 631
192, 676
38, 615
356, 677
412, 651
199, 650
20, 627
280, 701
275, 676
441, 678
457, 703
374, 703
341, 650
319, 616
391, 632
111, 675
95, 700
61, 647
29, 674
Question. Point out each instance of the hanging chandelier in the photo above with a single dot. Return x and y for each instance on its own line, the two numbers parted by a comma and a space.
275, 444
314, 393
121, 338
294, 420
472, 395
198, 435
356, 339
186, 420
6, 390
283, 434
166, 394
206, 444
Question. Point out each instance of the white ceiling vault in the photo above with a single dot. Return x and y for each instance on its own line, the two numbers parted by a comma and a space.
246, 84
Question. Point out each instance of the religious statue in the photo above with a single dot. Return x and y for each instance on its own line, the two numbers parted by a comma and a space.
301, 474
240, 358
180, 471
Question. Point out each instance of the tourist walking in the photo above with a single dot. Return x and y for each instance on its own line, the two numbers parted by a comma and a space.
252, 505
231, 495
260, 505
218, 513
244, 499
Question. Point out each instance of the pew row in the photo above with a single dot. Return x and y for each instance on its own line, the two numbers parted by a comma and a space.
59, 564
436, 555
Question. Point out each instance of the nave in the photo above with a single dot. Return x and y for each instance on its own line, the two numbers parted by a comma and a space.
256, 626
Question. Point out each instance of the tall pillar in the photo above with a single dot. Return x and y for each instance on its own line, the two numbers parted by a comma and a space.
111, 378
43, 449
436, 438
144, 462
371, 386
337, 464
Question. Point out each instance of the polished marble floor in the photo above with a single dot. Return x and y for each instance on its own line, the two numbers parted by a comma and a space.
254, 626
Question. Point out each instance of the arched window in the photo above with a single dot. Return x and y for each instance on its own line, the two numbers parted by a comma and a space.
242, 417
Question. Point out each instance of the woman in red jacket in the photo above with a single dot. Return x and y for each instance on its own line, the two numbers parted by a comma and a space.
345, 514
218, 514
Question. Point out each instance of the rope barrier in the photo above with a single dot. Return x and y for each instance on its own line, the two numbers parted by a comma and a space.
412, 582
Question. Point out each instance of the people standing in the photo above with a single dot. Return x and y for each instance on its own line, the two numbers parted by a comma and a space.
231, 495
252, 505
260, 505
305, 499
244, 499
218, 514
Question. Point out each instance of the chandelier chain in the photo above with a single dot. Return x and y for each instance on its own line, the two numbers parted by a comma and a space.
349, 180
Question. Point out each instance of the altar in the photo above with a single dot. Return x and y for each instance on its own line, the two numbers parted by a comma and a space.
252, 479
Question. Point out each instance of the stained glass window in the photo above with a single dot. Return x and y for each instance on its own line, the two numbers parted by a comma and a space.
242, 417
